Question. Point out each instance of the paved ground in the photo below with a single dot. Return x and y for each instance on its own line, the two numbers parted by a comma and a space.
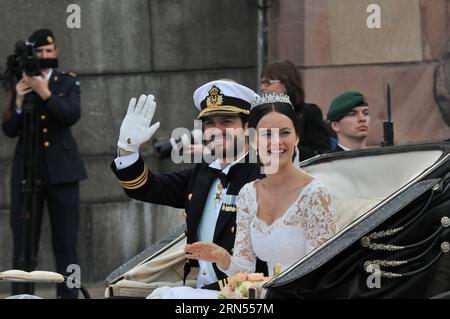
48, 291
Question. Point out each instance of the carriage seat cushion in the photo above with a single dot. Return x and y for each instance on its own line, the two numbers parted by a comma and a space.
133, 288
348, 210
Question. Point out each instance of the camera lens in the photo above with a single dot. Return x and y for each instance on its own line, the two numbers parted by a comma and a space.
31, 67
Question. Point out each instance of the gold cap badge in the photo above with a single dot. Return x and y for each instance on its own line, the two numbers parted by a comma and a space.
214, 97
49, 39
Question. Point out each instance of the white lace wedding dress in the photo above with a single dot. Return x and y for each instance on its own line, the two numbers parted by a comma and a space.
306, 224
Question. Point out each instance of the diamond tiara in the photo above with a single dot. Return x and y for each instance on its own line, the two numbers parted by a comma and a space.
270, 98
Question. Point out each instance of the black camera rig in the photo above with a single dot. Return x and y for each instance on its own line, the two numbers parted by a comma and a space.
24, 60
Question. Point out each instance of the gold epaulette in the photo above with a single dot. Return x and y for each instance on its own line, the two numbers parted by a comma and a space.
137, 182
68, 73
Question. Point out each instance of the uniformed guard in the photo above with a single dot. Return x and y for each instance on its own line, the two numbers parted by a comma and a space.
350, 119
59, 165
207, 192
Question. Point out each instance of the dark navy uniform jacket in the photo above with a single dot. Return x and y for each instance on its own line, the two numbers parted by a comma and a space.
188, 189
59, 159
337, 149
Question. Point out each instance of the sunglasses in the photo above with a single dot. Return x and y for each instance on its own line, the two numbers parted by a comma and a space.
269, 82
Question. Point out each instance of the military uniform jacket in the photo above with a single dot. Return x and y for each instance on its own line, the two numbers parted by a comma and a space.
337, 149
188, 189
59, 159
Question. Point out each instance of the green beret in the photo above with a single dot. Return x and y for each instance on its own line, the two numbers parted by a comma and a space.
344, 103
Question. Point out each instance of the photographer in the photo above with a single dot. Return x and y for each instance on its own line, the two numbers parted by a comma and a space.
57, 163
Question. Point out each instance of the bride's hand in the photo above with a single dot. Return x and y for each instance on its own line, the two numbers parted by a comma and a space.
208, 252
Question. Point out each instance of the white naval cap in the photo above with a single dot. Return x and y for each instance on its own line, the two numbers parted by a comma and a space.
223, 97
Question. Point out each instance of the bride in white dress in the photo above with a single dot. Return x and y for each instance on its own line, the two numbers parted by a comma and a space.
281, 217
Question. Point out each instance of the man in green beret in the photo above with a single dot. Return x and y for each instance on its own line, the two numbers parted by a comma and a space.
350, 119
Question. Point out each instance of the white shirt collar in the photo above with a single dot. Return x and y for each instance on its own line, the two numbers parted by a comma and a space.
216, 164
344, 148
49, 74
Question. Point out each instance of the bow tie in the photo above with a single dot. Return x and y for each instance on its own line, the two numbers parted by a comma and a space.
220, 175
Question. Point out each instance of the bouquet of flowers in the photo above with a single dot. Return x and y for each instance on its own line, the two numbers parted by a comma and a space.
239, 285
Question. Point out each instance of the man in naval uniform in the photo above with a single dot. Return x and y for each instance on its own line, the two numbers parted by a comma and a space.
207, 192
59, 164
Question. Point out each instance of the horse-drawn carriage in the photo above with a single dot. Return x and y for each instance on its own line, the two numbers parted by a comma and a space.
393, 210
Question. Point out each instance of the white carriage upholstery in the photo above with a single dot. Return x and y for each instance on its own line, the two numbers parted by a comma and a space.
359, 184
163, 270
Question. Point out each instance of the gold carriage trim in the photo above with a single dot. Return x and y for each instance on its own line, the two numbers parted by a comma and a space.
137, 182
385, 247
445, 221
384, 274
370, 269
385, 263
385, 233
366, 241
225, 108
445, 247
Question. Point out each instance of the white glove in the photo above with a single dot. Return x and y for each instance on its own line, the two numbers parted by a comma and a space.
135, 129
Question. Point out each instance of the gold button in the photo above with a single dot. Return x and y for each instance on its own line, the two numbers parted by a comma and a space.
44, 130
204, 272
232, 230
204, 283
190, 196
184, 214
43, 117
46, 144
55, 78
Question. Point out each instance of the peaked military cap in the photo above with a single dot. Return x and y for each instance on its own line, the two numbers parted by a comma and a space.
223, 97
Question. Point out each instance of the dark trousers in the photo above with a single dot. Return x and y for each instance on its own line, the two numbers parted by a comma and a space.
63, 206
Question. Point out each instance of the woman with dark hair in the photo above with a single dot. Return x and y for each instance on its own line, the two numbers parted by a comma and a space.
283, 77
282, 217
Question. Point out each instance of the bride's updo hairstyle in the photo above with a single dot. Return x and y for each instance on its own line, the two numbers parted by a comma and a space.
267, 103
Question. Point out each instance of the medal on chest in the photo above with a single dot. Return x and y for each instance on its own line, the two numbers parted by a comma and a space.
218, 197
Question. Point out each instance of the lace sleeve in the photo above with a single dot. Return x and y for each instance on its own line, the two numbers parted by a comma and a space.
320, 221
243, 259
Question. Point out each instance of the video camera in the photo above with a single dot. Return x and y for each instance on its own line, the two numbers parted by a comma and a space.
25, 60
